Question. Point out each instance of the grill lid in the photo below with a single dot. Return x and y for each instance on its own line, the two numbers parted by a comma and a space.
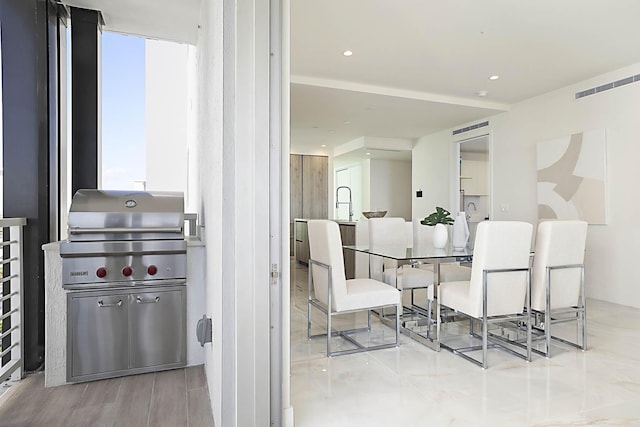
126, 215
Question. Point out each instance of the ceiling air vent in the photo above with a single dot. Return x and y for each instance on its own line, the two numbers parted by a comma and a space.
472, 127
607, 86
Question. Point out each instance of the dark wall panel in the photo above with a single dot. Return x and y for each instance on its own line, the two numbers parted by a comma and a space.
85, 41
26, 102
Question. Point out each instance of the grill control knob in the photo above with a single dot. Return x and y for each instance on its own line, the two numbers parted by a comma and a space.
101, 272
127, 271
152, 270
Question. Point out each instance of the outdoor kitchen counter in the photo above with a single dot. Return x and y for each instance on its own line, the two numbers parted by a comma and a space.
55, 301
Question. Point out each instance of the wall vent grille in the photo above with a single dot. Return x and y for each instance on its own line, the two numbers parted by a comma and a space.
608, 86
472, 127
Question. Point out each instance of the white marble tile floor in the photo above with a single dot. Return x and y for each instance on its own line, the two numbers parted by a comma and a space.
415, 386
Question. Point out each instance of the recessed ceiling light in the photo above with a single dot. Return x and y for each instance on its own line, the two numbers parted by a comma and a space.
368, 154
373, 107
347, 122
482, 93
347, 53
494, 77
323, 145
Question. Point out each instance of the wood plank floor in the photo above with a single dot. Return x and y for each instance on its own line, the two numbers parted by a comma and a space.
171, 398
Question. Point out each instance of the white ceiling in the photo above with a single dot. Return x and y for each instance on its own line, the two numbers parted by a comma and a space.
417, 64
158, 19
426, 50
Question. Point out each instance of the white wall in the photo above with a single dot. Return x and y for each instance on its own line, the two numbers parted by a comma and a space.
208, 173
232, 145
391, 187
431, 159
366, 185
612, 249
166, 106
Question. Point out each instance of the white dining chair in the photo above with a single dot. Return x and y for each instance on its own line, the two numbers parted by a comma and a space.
449, 272
557, 284
334, 295
394, 232
500, 279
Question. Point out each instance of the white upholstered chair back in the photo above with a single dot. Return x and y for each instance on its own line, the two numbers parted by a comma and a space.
422, 234
500, 245
388, 232
325, 246
385, 232
408, 228
558, 243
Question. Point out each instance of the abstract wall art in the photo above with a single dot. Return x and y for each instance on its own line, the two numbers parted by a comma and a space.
572, 177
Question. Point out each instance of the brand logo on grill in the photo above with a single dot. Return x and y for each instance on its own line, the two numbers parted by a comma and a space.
79, 273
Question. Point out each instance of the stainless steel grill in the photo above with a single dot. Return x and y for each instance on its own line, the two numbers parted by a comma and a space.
121, 238
125, 266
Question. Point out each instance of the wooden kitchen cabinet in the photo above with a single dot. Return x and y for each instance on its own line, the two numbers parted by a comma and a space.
295, 197
309, 195
301, 241
309, 180
315, 187
295, 186
348, 235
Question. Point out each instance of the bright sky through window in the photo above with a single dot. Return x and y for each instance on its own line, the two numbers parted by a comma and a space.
123, 111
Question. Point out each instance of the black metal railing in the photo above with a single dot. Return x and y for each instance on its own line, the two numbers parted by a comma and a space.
11, 320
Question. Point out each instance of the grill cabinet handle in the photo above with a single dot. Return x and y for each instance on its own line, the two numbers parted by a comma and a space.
114, 230
152, 301
115, 304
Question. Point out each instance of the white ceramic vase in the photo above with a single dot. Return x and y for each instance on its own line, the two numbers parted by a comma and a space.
460, 233
440, 236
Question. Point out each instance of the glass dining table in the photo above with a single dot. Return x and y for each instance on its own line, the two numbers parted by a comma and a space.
429, 255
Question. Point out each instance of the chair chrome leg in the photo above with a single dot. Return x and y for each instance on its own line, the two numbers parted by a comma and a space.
485, 324
584, 311
309, 303
369, 320
529, 317
328, 334
547, 316
429, 321
329, 316
485, 340
398, 311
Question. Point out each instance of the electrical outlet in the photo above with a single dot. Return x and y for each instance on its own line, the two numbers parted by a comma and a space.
504, 207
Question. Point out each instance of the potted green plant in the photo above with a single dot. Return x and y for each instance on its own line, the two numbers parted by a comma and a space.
439, 220
440, 216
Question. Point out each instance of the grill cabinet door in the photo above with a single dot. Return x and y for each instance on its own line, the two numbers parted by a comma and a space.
98, 333
157, 328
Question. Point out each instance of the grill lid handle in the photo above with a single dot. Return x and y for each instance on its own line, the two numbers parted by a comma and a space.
117, 230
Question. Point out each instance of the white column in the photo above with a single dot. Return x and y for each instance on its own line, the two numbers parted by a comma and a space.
233, 139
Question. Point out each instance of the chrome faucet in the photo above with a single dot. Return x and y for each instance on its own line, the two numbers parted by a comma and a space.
469, 205
469, 208
338, 202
